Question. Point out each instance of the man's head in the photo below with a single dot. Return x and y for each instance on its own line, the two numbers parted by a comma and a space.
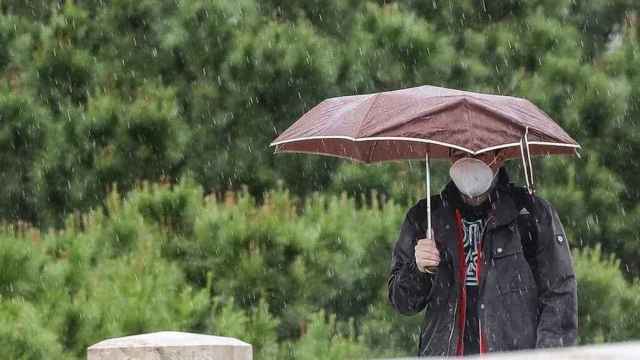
474, 175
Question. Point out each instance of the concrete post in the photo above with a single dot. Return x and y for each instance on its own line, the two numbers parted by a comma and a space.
170, 345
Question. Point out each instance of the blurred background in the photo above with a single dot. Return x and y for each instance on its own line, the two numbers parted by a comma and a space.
138, 192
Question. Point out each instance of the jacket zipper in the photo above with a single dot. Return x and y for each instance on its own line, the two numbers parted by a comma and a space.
430, 338
481, 266
453, 327
462, 283
455, 312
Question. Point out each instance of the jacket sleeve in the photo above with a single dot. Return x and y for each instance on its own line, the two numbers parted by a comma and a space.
556, 282
408, 287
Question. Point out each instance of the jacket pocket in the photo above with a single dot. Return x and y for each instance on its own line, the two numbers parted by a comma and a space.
511, 267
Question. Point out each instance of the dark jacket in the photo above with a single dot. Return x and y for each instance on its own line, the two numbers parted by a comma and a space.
527, 290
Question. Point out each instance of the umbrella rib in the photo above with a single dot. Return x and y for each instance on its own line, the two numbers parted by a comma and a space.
364, 118
467, 112
323, 154
373, 147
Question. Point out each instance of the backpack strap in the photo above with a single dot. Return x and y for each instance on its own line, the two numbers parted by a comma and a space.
526, 224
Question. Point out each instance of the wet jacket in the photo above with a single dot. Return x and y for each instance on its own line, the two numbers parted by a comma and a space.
527, 285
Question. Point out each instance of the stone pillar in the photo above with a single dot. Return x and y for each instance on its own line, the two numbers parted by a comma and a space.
170, 345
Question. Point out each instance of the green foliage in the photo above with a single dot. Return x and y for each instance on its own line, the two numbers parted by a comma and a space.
256, 327
323, 340
23, 136
119, 143
20, 266
606, 301
23, 333
392, 48
63, 70
6, 35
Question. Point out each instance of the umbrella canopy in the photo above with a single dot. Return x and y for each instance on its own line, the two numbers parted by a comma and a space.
409, 123
423, 122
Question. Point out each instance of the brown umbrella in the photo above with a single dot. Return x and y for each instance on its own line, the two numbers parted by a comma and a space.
423, 122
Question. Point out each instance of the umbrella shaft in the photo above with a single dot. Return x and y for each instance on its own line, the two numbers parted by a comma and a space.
428, 178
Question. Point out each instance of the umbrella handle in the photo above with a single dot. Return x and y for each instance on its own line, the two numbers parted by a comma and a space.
429, 235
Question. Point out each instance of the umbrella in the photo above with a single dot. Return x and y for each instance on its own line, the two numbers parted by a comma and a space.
426, 122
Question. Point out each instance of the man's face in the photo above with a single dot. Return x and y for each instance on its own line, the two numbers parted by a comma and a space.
495, 161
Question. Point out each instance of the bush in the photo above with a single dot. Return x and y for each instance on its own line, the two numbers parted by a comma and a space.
24, 333
607, 303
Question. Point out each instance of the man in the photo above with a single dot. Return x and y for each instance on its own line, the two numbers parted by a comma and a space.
495, 276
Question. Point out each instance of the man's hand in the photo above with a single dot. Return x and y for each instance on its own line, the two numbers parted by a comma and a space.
427, 255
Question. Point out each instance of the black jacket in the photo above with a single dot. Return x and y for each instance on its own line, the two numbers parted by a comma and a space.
527, 290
